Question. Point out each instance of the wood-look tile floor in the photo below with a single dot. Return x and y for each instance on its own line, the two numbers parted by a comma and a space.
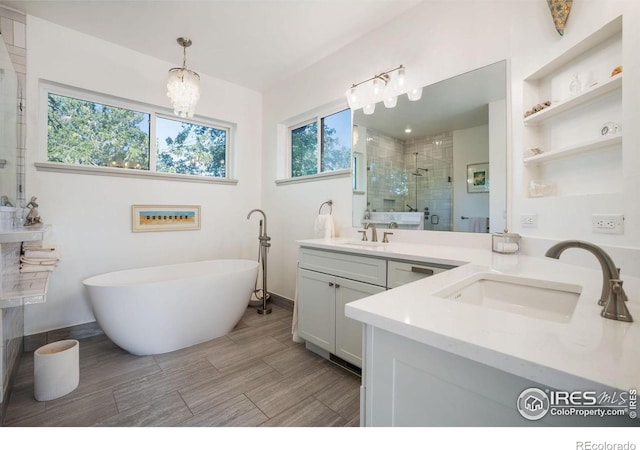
254, 376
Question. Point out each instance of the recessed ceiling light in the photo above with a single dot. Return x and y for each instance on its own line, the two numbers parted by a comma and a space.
407, 130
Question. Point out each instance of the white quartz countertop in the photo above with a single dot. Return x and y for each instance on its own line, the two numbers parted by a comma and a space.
586, 349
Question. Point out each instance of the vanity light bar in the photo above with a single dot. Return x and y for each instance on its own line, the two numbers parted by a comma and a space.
378, 89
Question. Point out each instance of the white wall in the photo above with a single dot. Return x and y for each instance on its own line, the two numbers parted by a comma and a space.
437, 40
90, 215
470, 146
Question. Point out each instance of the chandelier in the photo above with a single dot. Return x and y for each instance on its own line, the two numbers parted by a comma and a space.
183, 85
385, 87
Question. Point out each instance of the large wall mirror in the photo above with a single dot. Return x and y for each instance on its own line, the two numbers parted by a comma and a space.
438, 163
8, 128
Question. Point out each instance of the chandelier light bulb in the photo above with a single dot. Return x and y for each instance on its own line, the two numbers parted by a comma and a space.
369, 109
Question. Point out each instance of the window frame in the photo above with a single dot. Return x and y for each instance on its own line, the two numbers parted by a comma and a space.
315, 117
154, 112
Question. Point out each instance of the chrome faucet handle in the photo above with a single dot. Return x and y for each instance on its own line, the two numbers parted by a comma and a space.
385, 239
615, 308
364, 234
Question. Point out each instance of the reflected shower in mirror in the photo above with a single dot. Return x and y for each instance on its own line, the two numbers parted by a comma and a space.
438, 163
8, 129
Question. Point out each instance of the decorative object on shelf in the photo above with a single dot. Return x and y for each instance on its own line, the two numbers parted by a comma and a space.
540, 188
533, 152
183, 85
616, 71
508, 243
609, 128
33, 217
164, 217
575, 87
385, 86
478, 177
560, 10
538, 107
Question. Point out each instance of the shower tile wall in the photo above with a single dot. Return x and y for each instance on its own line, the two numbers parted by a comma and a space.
391, 184
11, 328
434, 187
386, 173
14, 32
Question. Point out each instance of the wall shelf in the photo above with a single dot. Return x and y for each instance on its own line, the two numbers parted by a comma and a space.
24, 289
586, 96
577, 149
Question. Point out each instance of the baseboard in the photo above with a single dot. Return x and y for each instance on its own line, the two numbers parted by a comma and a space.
283, 302
85, 330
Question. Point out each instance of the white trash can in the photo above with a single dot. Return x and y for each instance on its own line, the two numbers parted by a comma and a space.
56, 369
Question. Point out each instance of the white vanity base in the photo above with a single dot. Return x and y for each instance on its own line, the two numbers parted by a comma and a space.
407, 383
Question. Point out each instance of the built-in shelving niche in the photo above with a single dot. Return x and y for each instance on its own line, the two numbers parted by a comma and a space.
578, 157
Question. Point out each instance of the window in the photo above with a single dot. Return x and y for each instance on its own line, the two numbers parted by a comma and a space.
314, 152
94, 134
189, 148
93, 130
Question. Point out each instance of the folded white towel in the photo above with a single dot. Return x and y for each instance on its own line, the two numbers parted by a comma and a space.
39, 245
478, 224
324, 226
39, 254
36, 268
44, 262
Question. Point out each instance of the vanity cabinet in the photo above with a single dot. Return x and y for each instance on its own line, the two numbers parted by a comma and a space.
584, 119
326, 282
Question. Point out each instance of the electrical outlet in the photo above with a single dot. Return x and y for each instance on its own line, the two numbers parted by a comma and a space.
607, 223
529, 220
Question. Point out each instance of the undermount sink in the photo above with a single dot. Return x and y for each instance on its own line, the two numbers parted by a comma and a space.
540, 299
361, 243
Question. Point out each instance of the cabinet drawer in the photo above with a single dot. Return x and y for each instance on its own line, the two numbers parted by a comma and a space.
400, 273
352, 267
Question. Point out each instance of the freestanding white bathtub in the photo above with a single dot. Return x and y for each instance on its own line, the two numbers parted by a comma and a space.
161, 309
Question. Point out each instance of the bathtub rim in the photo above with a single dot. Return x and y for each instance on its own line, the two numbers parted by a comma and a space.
91, 280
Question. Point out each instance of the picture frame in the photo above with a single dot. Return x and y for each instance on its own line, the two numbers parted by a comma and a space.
164, 218
478, 178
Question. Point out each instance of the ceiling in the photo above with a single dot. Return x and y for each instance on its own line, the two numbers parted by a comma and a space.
251, 43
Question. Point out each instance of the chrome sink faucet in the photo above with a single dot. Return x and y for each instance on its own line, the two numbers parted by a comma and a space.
613, 295
374, 233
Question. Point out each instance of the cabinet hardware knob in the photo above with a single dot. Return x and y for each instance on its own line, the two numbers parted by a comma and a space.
337, 285
330, 284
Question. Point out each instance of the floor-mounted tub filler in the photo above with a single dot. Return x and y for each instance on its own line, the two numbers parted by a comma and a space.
160, 309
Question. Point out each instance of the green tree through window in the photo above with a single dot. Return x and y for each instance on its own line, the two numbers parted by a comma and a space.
89, 133
192, 149
335, 145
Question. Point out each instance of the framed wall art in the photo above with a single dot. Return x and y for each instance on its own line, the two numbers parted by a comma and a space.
164, 217
478, 177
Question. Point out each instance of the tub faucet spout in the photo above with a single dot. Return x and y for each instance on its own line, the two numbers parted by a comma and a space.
264, 218
613, 295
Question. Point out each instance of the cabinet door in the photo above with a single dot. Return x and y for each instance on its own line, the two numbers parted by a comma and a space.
349, 331
317, 308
